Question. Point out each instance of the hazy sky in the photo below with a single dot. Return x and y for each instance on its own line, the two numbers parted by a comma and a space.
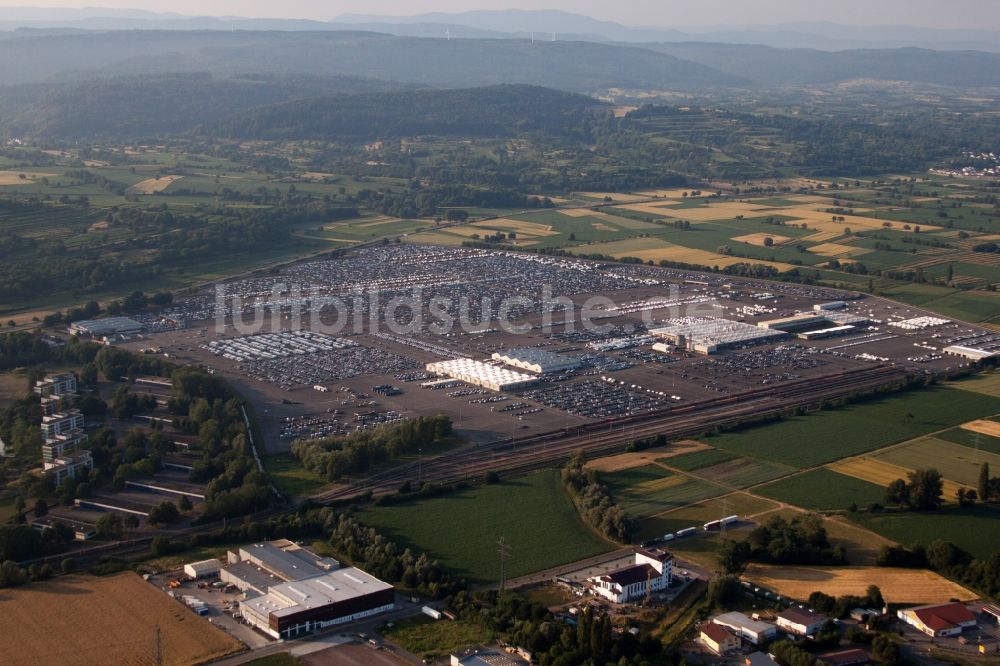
983, 14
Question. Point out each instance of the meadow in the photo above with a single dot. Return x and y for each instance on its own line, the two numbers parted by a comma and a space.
822, 490
972, 528
534, 513
651, 489
828, 435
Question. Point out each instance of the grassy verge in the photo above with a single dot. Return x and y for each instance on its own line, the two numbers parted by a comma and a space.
430, 639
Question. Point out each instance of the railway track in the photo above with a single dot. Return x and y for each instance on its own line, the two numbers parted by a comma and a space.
607, 437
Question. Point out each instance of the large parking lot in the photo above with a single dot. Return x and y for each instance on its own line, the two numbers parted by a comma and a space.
309, 380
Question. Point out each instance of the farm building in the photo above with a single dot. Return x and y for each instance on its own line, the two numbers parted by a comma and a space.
800, 621
109, 327
754, 631
709, 337
537, 360
718, 639
970, 353
291, 609
939, 620
651, 572
481, 374
202, 568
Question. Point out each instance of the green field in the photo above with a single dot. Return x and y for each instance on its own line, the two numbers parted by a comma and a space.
741, 504
822, 437
650, 489
971, 439
432, 640
533, 513
955, 462
689, 462
822, 490
974, 528
290, 478
744, 472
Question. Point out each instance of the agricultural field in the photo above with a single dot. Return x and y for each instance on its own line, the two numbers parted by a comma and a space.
822, 490
534, 513
123, 607
899, 586
741, 504
972, 528
986, 383
971, 439
957, 463
651, 489
290, 478
825, 436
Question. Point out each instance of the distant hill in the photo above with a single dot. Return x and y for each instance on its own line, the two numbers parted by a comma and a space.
773, 66
134, 107
505, 110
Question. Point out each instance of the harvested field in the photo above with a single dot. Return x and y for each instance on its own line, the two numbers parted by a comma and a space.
640, 458
822, 236
862, 545
991, 428
760, 240
882, 473
108, 620
656, 249
518, 226
154, 185
599, 226
837, 250
14, 177
899, 586
614, 196
675, 193
657, 209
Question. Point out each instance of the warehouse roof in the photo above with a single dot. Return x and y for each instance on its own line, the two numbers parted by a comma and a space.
334, 587
540, 357
289, 563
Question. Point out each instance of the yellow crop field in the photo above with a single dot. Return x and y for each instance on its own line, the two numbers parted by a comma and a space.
654, 249
14, 177
517, 226
154, 185
991, 428
836, 250
435, 238
614, 196
760, 239
821, 221
655, 485
862, 545
958, 464
882, 473
899, 586
107, 620
871, 470
622, 461
658, 209
822, 236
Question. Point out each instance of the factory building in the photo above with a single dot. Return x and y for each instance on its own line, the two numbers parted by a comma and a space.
537, 360
103, 328
481, 374
833, 305
714, 335
651, 572
291, 609
290, 590
800, 621
970, 353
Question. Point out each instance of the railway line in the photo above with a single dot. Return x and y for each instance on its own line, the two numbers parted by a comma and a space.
602, 438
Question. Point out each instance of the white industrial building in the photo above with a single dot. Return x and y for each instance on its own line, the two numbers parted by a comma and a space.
970, 353
652, 572
100, 328
482, 374
800, 621
537, 360
202, 568
745, 627
713, 335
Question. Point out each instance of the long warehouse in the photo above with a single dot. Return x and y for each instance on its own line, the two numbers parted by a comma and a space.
537, 360
482, 374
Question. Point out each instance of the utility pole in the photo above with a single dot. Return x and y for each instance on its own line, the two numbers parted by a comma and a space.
503, 549
158, 656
